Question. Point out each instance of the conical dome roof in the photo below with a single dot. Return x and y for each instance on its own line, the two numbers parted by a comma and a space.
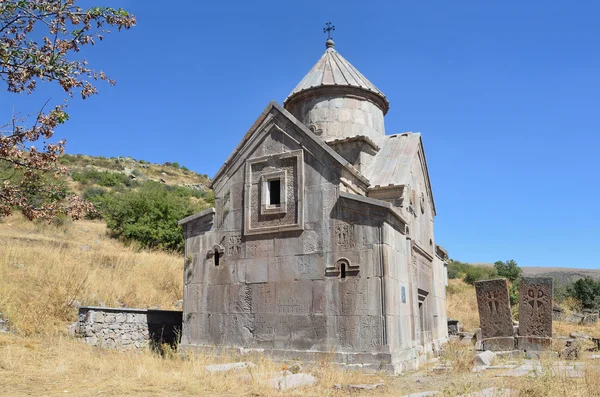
334, 70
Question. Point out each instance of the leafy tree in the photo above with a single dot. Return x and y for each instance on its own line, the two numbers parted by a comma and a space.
509, 270
37, 41
587, 291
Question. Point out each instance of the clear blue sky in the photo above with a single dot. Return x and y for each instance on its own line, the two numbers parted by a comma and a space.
506, 95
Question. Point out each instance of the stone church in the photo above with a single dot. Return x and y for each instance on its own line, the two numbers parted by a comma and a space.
321, 239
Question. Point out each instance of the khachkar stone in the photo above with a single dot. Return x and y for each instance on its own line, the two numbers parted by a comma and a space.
535, 313
494, 315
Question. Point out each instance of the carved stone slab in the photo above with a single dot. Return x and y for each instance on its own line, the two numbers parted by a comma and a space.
535, 313
494, 314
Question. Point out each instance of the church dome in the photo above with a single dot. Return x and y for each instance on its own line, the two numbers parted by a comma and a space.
336, 101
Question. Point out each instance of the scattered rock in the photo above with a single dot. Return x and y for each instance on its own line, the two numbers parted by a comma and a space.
85, 248
163, 173
453, 327
466, 338
571, 350
595, 357
296, 368
162, 180
19, 266
491, 392
580, 335
442, 368
531, 367
288, 382
422, 394
365, 386
228, 366
485, 358
575, 318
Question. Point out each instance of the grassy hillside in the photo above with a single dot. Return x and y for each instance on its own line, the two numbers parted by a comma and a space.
138, 170
48, 270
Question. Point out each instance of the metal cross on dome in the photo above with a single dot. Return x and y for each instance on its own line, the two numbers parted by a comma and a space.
328, 29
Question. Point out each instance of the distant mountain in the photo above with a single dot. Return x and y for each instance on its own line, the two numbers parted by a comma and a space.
563, 274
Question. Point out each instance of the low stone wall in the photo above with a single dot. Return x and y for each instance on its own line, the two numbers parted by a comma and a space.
123, 328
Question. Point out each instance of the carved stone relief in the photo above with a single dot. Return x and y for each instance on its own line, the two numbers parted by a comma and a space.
494, 308
344, 235
233, 245
288, 168
535, 307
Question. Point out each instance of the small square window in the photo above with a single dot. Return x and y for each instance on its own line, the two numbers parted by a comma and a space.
275, 192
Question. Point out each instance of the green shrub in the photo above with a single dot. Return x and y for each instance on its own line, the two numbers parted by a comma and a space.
148, 215
479, 272
175, 165
102, 178
456, 269
587, 291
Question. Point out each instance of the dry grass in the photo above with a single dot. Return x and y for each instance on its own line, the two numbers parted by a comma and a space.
46, 269
461, 304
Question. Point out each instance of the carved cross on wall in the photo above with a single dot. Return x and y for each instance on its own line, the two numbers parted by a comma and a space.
491, 298
536, 298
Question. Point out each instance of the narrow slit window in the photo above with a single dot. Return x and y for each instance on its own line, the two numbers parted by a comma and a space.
343, 270
216, 258
275, 192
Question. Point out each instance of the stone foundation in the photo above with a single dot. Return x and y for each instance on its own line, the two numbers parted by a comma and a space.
499, 344
532, 343
363, 362
124, 328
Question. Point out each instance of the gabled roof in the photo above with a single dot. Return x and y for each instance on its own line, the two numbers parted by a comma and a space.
334, 70
270, 110
392, 164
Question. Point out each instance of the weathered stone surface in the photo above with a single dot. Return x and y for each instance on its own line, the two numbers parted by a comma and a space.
126, 328
293, 381
485, 358
453, 327
303, 253
580, 335
494, 309
528, 368
492, 392
228, 367
590, 318
535, 307
365, 386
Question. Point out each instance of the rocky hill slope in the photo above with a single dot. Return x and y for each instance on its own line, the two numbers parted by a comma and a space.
85, 168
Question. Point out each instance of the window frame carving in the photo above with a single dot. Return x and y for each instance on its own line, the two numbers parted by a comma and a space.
265, 179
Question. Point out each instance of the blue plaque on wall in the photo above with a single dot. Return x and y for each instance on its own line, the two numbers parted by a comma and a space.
403, 294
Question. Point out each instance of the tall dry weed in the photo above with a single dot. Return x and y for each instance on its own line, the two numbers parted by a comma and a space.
461, 304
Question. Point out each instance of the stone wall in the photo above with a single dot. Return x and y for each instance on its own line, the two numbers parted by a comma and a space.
124, 328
